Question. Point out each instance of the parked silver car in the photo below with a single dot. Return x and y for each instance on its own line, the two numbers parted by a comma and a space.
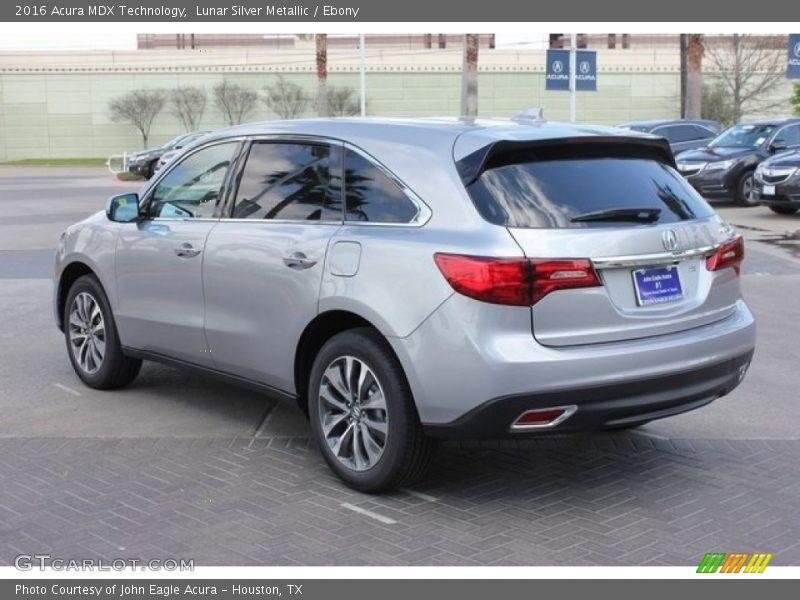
405, 281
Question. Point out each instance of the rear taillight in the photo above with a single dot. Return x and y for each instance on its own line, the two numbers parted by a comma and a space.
730, 254
514, 281
552, 275
495, 280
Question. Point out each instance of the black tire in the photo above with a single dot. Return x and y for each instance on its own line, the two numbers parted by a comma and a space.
745, 196
783, 210
407, 452
151, 169
115, 370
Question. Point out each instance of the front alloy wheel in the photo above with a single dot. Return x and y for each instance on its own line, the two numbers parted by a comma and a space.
746, 191
352, 413
87, 333
92, 339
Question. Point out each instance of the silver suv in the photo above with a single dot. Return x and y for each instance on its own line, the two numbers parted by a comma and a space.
406, 281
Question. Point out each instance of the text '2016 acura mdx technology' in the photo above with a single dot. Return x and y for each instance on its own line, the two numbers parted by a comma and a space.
408, 281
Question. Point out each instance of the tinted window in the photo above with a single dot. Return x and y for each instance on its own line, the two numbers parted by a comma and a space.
790, 135
192, 189
640, 128
550, 193
290, 181
677, 133
702, 133
372, 195
745, 135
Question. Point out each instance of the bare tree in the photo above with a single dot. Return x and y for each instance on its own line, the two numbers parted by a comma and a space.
717, 105
795, 99
469, 76
749, 67
286, 99
343, 102
234, 101
695, 50
188, 104
321, 43
139, 108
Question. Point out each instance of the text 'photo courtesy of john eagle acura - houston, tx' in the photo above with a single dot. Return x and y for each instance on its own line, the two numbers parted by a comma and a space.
408, 281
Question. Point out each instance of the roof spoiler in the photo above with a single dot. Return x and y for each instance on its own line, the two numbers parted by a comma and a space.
508, 152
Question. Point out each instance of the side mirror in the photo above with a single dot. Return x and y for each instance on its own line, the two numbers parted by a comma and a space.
123, 208
777, 146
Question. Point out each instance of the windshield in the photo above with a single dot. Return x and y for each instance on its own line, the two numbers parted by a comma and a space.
743, 136
641, 128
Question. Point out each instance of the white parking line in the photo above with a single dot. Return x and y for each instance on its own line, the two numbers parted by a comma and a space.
368, 513
69, 390
421, 496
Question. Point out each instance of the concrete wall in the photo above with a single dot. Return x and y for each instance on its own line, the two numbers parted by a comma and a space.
56, 106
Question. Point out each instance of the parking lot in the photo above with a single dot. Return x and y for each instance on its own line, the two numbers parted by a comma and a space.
180, 466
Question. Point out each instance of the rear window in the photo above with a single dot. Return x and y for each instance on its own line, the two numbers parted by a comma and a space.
551, 193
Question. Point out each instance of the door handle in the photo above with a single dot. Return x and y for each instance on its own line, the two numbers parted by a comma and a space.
298, 260
186, 250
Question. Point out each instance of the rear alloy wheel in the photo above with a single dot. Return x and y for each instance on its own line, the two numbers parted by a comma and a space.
92, 339
745, 190
353, 414
783, 210
363, 414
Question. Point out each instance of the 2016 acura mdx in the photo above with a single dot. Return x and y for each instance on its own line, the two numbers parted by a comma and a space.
405, 281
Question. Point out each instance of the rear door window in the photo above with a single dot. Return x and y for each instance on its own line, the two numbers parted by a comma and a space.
290, 181
371, 195
553, 193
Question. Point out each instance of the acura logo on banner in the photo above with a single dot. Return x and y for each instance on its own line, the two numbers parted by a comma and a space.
557, 75
793, 66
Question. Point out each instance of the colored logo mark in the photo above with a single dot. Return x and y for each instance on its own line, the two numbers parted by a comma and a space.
738, 562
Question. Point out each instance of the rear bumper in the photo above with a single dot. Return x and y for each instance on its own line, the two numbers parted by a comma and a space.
602, 406
468, 356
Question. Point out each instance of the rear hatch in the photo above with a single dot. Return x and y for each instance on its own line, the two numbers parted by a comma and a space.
618, 206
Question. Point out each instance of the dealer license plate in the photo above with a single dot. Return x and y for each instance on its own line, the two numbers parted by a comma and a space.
657, 285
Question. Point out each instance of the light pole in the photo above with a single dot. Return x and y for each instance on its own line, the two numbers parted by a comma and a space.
572, 66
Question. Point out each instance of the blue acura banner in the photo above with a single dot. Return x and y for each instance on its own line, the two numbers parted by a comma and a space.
557, 75
586, 71
793, 66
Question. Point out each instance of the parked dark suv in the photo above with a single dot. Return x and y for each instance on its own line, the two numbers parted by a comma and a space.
144, 163
777, 183
725, 168
683, 134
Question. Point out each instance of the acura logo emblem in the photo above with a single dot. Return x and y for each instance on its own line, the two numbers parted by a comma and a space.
670, 240
797, 50
558, 66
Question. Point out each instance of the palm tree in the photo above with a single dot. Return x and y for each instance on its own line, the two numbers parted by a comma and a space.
321, 41
694, 75
469, 76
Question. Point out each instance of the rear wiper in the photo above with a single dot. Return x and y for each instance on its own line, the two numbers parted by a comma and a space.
637, 215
